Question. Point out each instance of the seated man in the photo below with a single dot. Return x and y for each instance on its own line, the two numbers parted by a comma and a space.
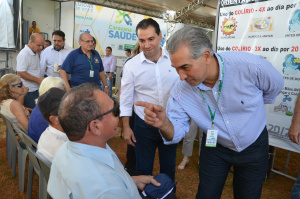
85, 166
53, 137
37, 124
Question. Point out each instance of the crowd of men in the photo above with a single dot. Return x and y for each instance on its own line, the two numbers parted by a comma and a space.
223, 93
75, 67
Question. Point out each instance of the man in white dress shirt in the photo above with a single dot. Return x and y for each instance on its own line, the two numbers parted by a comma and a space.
54, 56
148, 77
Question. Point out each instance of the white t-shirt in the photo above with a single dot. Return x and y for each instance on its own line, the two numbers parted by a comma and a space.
50, 141
28, 61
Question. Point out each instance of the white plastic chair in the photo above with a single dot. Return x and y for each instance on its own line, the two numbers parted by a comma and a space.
45, 167
31, 146
19, 146
9, 145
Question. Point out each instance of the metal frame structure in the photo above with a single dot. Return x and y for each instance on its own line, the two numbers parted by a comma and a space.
272, 155
180, 16
120, 5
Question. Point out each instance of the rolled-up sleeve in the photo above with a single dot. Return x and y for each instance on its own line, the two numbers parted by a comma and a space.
127, 92
179, 119
269, 80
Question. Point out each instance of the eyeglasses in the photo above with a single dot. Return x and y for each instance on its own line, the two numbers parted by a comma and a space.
18, 84
115, 110
88, 41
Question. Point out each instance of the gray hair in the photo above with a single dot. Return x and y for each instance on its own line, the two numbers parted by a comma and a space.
194, 38
81, 35
77, 109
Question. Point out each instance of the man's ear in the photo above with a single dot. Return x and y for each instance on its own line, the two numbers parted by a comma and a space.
207, 56
54, 119
96, 127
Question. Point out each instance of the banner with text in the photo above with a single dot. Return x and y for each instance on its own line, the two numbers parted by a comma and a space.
110, 27
270, 28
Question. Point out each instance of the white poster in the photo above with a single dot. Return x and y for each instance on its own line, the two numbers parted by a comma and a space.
7, 24
110, 27
270, 28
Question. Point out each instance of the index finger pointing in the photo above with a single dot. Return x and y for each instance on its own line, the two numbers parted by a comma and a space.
143, 104
149, 108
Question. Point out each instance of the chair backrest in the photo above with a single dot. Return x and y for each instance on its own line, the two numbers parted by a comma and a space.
8, 140
11, 131
28, 140
45, 165
31, 146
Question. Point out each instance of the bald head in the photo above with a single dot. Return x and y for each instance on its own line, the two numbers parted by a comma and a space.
36, 42
36, 36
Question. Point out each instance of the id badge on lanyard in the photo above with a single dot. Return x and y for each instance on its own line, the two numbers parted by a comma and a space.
212, 133
91, 73
211, 137
91, 65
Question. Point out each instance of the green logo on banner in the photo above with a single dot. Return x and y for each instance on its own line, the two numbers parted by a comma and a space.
129, 46
123, 16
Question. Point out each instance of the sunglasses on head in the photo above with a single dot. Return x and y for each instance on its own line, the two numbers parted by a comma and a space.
18, 84
115, 110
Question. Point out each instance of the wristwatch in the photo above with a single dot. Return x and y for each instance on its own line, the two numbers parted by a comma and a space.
105, 86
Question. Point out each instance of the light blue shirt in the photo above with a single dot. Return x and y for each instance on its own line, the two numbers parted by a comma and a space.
50, 57
81, 171
250, 81
109, 63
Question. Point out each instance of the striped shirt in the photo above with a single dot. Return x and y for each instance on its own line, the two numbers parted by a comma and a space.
250, 81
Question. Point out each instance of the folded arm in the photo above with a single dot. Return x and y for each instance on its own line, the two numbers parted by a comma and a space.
28, 77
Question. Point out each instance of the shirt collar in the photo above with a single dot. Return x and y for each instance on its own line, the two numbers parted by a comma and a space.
55, 131
164, 54
53, 48
202, 86
80, 51
99, 154
29, 50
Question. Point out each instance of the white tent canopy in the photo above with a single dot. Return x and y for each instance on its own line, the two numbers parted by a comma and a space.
6, 21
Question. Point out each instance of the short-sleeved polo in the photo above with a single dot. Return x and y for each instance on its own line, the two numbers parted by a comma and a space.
79, 66
28, 61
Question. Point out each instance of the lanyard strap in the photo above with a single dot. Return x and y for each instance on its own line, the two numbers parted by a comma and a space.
90, 60
212, 116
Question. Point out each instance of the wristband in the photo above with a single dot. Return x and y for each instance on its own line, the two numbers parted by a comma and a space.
105, 86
